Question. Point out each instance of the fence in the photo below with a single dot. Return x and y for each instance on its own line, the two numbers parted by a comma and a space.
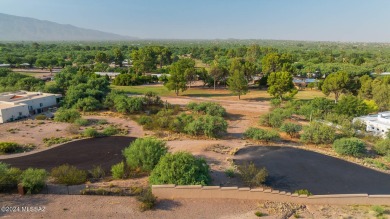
208, 192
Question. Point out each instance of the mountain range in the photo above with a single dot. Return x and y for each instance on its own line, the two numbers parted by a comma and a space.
15, 28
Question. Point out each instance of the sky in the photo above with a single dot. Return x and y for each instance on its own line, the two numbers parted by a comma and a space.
313, 20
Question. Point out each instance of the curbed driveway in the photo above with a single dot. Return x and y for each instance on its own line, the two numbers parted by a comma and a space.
84, 154
291, 169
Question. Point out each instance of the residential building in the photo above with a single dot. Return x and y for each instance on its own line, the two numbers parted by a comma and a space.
378, 124
21, 104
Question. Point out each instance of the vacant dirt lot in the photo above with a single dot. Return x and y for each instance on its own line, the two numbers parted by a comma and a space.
76, 206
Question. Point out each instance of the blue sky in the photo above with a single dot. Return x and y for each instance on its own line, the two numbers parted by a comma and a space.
316, 20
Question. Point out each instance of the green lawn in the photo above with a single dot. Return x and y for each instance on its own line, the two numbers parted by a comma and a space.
225, 94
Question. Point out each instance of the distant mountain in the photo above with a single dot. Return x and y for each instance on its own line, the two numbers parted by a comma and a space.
15, 28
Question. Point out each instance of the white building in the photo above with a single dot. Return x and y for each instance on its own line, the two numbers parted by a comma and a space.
378, 124
111, 75
17, 105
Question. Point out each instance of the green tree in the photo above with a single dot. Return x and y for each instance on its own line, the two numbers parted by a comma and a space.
144, 153
101, 57
351, 106
33, 180
144, 60
237, 83
178, 79
280, 83
118, 57
336, 83
180, 168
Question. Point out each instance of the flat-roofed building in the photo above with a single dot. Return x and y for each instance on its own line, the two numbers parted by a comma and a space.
17, 105
378, 124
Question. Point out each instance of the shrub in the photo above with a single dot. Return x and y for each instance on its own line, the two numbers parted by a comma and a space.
383, 147
9, 147
110, 130
68, 175
261, 134
181, 168
251, 175
209, 108
180, 122
102, 122
8, 177
164, 118
91, 132
144, 120
379, 210
210, 126
144, 153
275, 103
33, 180
349, 146
118, 171
230, 172
318, 133
291, 129
73, 129
260, 214
40, 117
147, 200
55, 140
81, 122
303, 192
275, 118
97, 172
66, 115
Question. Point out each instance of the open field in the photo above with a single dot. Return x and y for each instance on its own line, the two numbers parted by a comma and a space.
220, 93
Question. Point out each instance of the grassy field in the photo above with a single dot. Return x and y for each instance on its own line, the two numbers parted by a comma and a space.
253, 95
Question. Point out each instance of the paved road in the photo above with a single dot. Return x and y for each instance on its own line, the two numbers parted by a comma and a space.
84, 154
291, 169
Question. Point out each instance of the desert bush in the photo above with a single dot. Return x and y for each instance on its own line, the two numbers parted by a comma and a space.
275, 118
147, 200
251, 175
261, 134
379, 210
275, 103
66, 115
118, 171
55, 140
110, 130
230, 172
9, 147
210, 126
290, 128
81, 122
181, 168
91, 133
383, 147
152, 99
68, 175
303, 192
40, 117
144, 120
73, 129
9, 177
144, 153
33, 180
318, 133
97, 172
260, 214
164, 118
181, 121
102, 122
376, 163
349, 146
209, 108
